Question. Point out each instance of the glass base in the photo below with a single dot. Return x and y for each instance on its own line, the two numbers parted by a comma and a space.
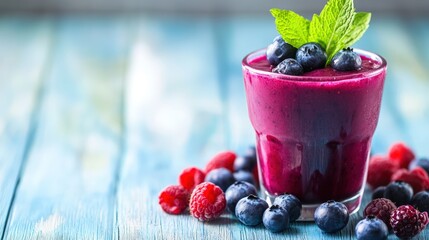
307, 212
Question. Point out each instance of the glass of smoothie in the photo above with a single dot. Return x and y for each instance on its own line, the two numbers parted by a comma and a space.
314, 131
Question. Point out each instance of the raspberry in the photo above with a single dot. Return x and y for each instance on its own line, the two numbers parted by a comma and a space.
380, 208
417, 178
207, 201
380, 171
223, 159
191, 177
174, 199
407, 222
401, 154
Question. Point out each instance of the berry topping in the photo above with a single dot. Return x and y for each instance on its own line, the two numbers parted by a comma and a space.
346, 60
249, 210
289, 66
331, 216
421, 162
407, 222
223, 159
417, 178
311, 56
399, 192
380, 171
174, 199
420, 201
275, 219
378, 192
402, 154
291, 204
279, 50
191, 177
237, 191
207, 202
221, 177
371, 228
244, 176
381, 208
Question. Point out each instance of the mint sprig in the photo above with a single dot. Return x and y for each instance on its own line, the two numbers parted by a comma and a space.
293, 28
337, 26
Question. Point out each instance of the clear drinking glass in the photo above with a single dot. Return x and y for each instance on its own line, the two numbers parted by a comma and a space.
314, 132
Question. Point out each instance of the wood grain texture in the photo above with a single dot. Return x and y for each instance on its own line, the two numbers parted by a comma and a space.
24, 48
174, 120
128, 102
68, 186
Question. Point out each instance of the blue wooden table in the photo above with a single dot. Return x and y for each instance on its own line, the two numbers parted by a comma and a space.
99, 113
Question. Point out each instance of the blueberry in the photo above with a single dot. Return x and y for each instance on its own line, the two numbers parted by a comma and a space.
420, 201
279, 50
289, 66
275, 219
221, 177
249, 210
291, 204
378, 192
311, 56
331, 216
237, 191
245, 163
371, 228
420, 162
244, 176
400, 193
346, 60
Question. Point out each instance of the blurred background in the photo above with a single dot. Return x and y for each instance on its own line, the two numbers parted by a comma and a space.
396, 7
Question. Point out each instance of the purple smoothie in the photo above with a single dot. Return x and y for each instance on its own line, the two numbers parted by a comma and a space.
313, 132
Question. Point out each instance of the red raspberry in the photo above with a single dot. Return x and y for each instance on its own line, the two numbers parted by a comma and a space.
380, 171
207, 201
417, 178
223, 159
381, 208
191, 177
407, 222
401, 154
174, 199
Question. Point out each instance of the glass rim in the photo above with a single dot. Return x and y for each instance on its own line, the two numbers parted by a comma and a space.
344, 77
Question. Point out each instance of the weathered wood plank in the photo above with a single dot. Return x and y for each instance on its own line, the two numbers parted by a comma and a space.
68, 186
24, 48
405, 104
174, 120
235, 38
416, 100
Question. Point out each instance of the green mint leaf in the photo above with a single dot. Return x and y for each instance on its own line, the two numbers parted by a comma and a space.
336, 27
359, 26
331, 25
293, 28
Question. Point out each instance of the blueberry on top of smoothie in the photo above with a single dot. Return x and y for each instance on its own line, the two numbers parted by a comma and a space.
279, 50
289, 66
346, 60
318, 40
311, 56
